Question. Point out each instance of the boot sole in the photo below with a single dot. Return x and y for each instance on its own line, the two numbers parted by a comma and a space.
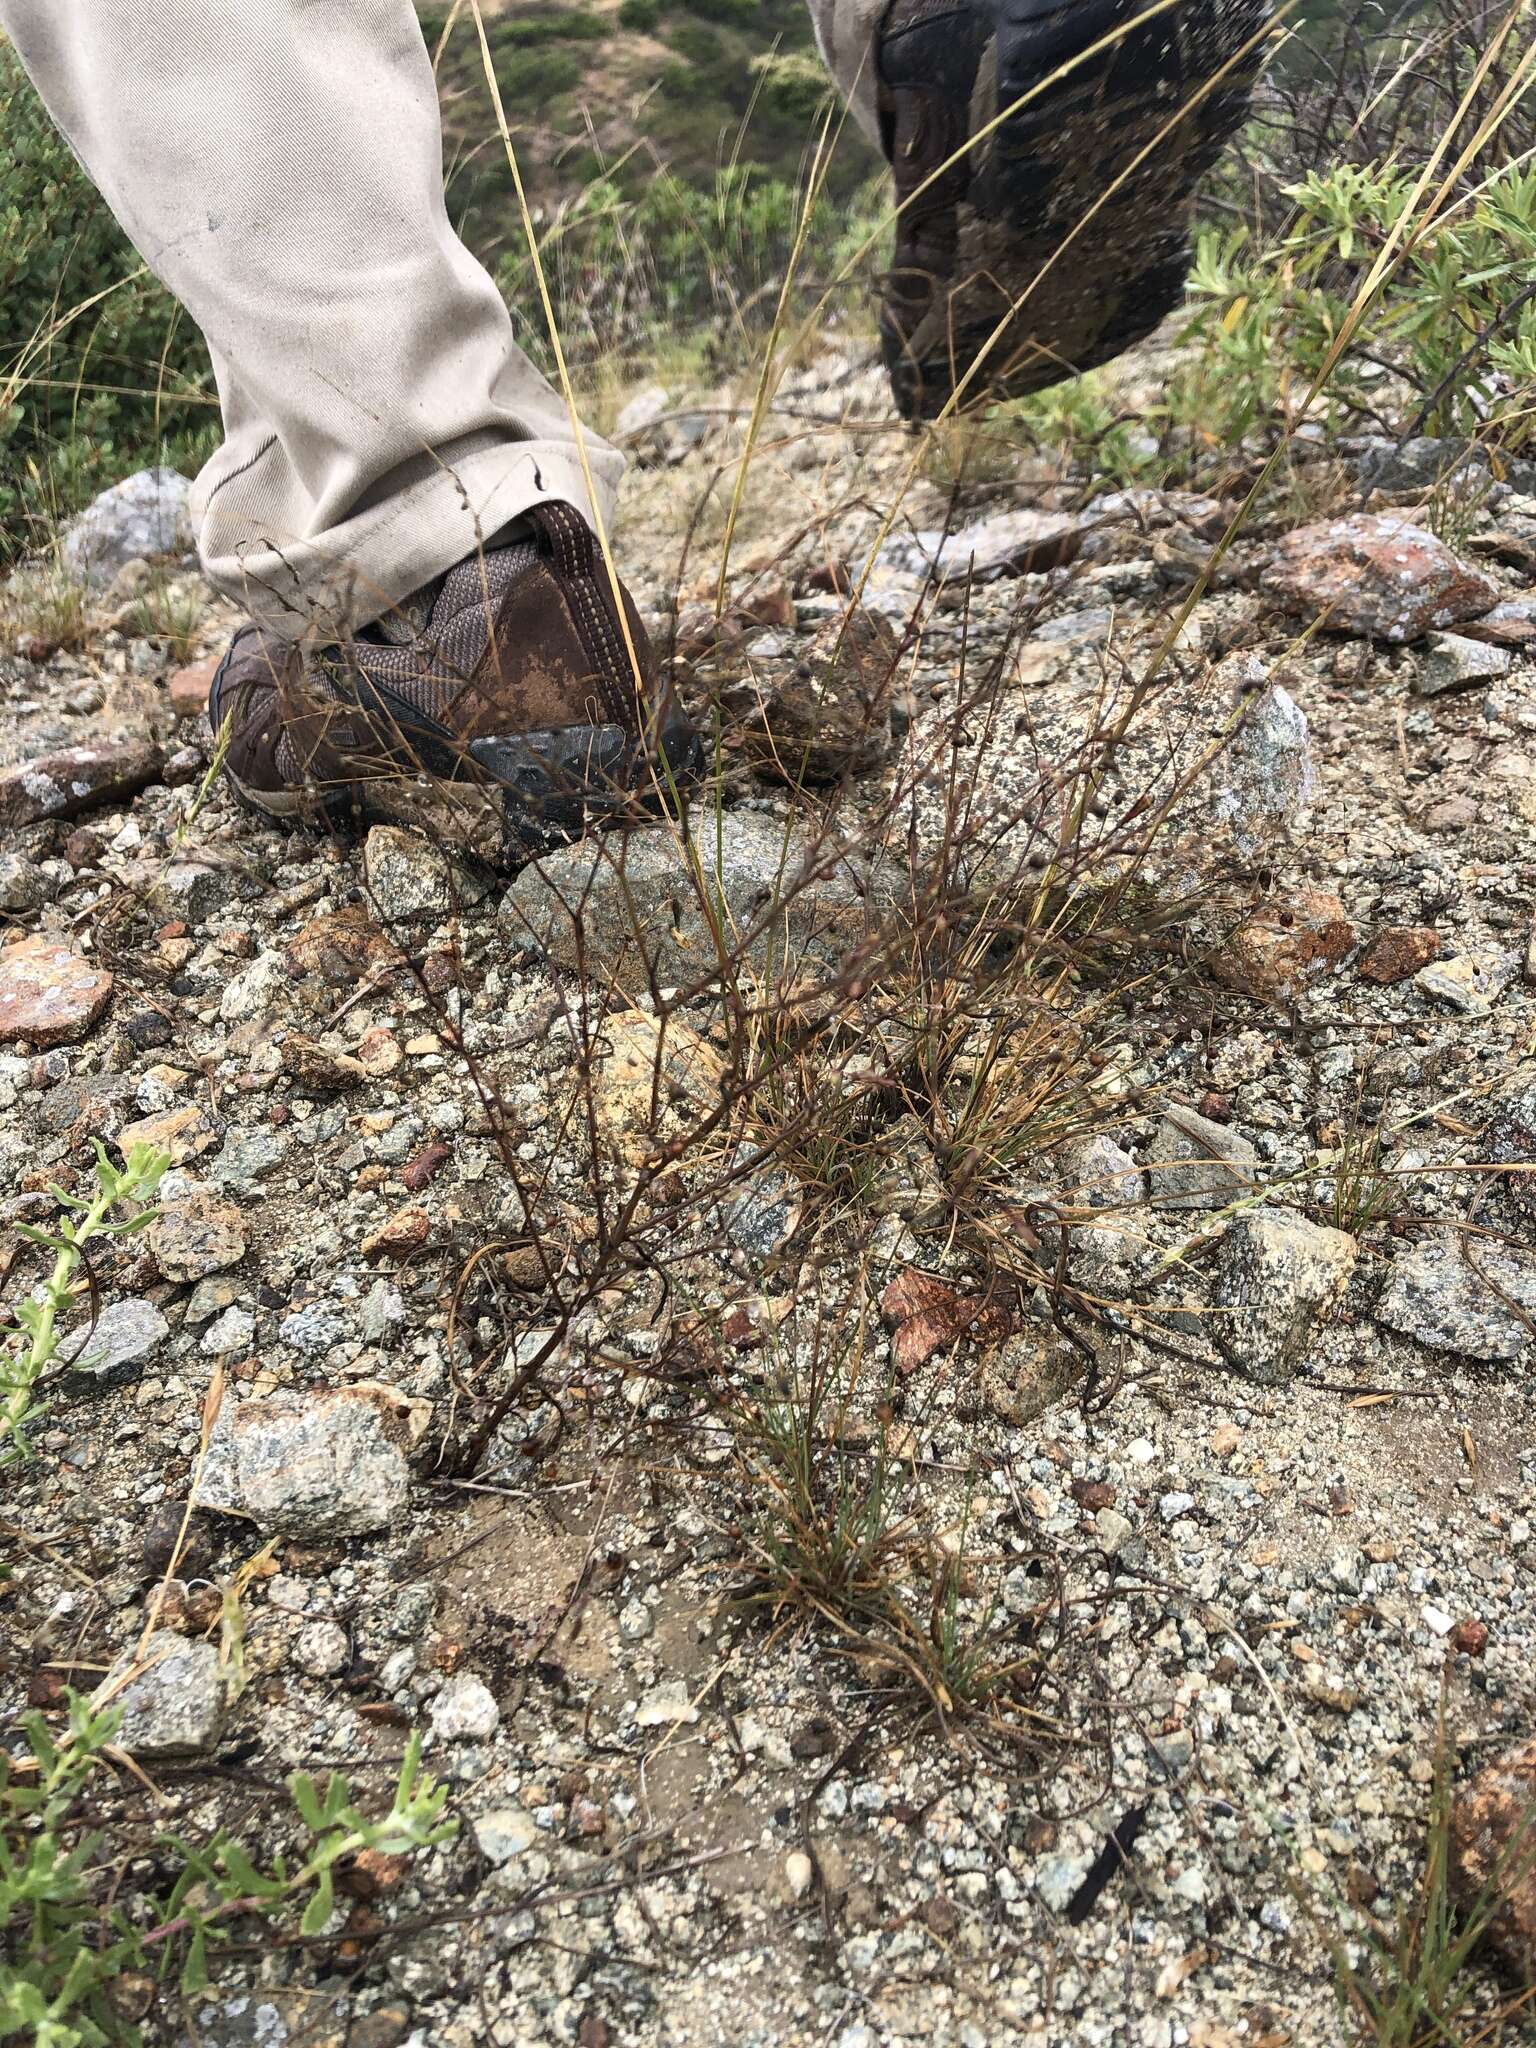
1051, 168
516, 795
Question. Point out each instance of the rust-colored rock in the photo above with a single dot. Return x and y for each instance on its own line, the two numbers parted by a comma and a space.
830, 716
318, 1069
48, 994
341, 947
926, 1315
399, 1235
1287, 945
1493, 1855
1397, 952
189, 689
60, 785
420, 1171
1378, 576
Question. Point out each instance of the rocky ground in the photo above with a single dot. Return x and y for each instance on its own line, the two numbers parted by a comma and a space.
493, 1453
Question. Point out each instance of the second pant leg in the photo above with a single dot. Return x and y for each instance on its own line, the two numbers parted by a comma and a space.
279, 167
846, 32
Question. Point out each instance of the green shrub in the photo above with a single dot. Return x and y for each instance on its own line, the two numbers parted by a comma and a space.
738, 13
695, 44
641, 15
88, 392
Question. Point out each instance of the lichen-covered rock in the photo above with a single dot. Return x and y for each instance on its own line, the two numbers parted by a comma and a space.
1493, 1855
331, 1465
175, 1706
49, 995
1285, 947
1379, 576
1266, 778
1277, 1276
1196, 1164
629, 907
147, 514
1435, 1296
63, 784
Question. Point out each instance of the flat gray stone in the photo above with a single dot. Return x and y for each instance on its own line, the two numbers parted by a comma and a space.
1277, 1276
1435, 1297
629, 906
1196, 1164
333, 1465
148, 513
126, 1335
176, 1705
1451, 661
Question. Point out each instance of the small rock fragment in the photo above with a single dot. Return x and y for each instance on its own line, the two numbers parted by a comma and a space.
48, 994
464, 1711
147, 514
331, 1465
1379, 576
504, 1832
318, 1069
1278, 1276
1265, 777
1286, 946
1510, 624
1451, 661
925, 1315
1435, 1296
195, 1235
629, 909
650, 1079
399, 1235
182, 1134
63, 784
1398, 951
830, 715
175, 1706
321, 1649
1195, 1164
666, 1706
124, 1337
188, 688
409, 879
1493, 1825
1509, 1139
1468, 983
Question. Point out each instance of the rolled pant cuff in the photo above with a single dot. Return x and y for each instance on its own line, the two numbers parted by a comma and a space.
326, 590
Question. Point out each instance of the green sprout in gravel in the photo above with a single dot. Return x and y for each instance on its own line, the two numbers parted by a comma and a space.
35, 1319
64, 1946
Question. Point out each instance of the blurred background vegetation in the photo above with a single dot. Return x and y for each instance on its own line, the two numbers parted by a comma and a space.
668, 147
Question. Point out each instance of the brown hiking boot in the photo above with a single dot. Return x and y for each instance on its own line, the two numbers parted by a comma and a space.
992, 294
505, 705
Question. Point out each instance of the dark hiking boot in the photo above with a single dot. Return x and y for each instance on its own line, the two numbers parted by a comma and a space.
506, 706
1060, 236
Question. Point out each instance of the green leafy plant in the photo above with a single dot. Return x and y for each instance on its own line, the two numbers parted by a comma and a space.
35, 1323
56, 1965
221, 1881
63, 1948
